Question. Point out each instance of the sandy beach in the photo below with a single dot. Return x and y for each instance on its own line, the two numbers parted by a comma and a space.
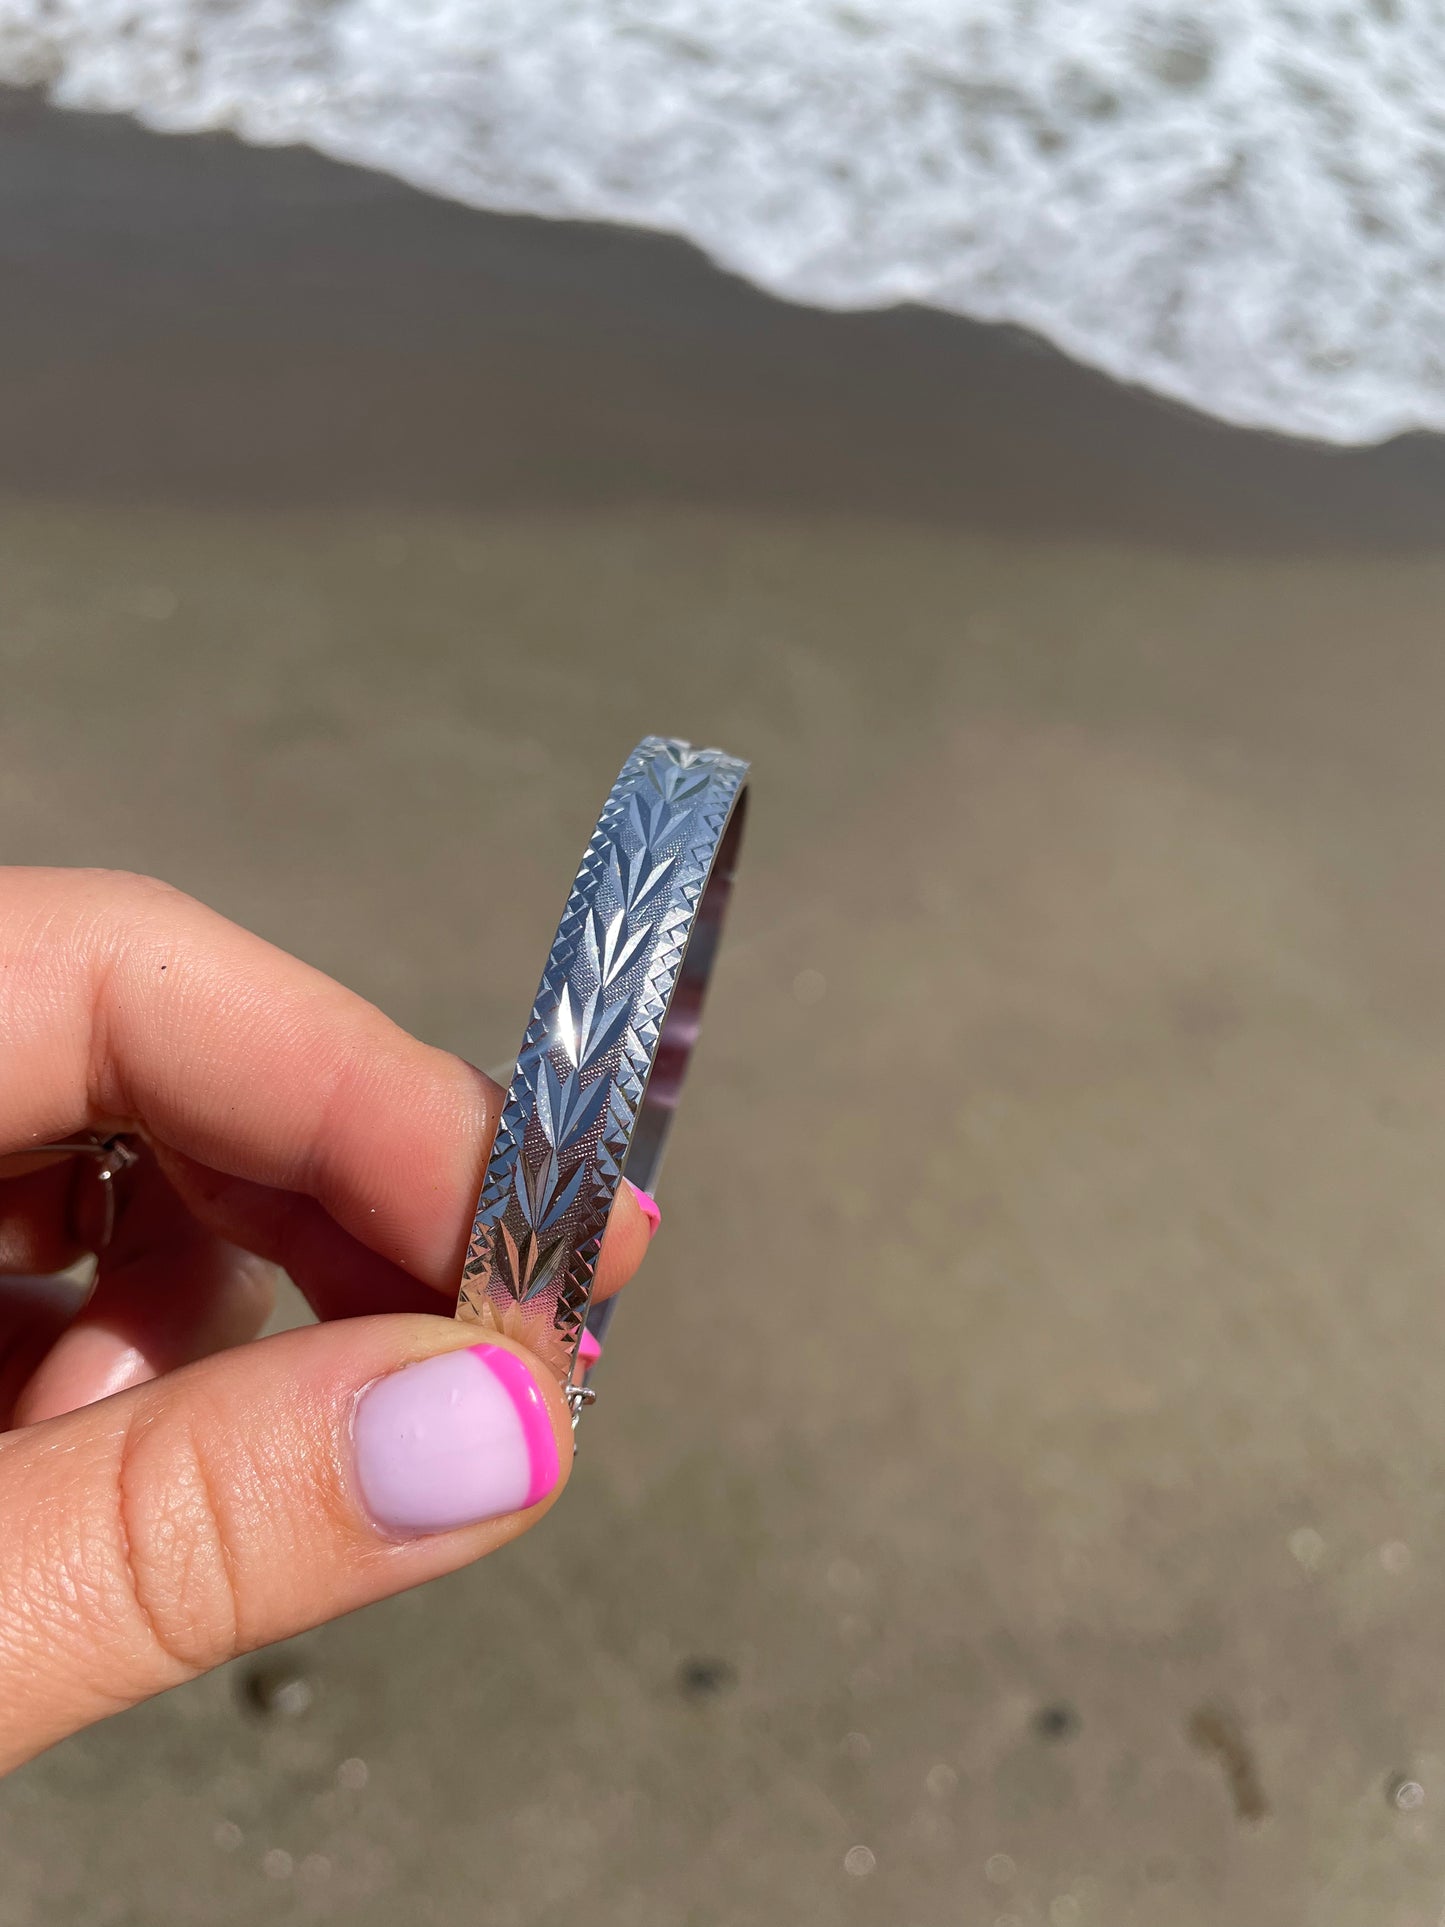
1022, 1457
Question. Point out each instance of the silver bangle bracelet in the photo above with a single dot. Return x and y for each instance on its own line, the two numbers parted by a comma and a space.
603, 1059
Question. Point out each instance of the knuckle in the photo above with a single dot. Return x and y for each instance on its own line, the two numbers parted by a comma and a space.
174, 1558
130, 923
142, 888
109, 900
127, 906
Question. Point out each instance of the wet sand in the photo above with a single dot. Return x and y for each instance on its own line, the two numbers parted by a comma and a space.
1023, 1456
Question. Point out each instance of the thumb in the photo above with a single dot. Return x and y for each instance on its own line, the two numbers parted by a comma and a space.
151, 1536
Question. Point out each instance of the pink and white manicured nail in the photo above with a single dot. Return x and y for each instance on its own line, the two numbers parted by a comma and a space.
650, 1208
453, 1440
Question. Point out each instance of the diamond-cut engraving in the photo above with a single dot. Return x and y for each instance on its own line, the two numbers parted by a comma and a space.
590, 1047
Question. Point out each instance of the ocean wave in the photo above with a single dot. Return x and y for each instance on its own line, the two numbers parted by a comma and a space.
1241, 206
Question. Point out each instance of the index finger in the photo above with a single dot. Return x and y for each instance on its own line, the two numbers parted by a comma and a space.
125, 1004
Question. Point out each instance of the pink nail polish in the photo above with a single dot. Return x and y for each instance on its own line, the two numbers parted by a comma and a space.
649, 1205
452, 1440
588, 1348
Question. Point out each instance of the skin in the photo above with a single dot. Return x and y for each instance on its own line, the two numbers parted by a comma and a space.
174, 1492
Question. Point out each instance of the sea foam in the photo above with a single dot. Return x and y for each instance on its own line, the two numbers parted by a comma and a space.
1240, 204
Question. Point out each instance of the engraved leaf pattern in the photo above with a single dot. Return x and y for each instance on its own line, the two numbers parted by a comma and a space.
513, 1270
610, 949
539, 1266
582, 1069
566, 1025
584, 1106
611, 1021
637, 879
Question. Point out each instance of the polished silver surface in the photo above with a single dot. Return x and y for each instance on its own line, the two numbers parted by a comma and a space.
602, 1062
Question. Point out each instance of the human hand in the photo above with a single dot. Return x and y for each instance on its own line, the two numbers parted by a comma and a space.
172, 1495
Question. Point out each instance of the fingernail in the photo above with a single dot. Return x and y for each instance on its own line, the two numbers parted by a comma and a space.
453, 1440
588, 1348
649, 1205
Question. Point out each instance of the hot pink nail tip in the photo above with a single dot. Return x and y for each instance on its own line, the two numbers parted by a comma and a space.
649, 1205
531, 1410
588, 1348
453, 1440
